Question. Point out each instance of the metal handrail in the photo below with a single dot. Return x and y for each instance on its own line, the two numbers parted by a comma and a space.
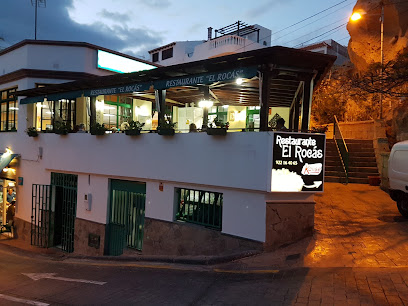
341, 146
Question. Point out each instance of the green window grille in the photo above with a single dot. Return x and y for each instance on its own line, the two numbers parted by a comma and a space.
199, 207
64, 180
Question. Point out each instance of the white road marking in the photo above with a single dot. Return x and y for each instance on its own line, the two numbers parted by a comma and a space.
29, 302
38, 276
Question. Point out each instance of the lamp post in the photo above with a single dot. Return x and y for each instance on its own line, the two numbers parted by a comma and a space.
357, 16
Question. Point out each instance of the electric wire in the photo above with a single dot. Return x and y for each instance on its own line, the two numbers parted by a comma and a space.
274, 39
318, 13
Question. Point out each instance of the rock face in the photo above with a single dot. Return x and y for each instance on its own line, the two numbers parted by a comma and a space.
365, 43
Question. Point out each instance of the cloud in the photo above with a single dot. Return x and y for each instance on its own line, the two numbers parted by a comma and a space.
264, 8
54, 23
114, 16
157, 4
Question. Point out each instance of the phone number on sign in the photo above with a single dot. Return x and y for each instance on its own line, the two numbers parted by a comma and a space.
286, 162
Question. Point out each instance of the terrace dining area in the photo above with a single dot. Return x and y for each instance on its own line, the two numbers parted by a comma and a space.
243, 92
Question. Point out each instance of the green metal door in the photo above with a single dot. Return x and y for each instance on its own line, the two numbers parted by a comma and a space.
126, 216
65, 209
41, 215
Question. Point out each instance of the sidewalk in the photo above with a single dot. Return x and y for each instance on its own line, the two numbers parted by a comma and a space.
356, 226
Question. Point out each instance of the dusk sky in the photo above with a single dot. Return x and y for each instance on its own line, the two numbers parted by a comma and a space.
135, 26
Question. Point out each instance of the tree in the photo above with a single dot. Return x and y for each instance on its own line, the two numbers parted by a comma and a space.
391, 83
337, 97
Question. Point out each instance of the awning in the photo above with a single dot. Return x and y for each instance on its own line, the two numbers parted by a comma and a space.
53, 97
5, 160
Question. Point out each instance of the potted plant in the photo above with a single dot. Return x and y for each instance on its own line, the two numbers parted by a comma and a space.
98, 129
134, 128
217, 127
32, 131
166, 128
61, 128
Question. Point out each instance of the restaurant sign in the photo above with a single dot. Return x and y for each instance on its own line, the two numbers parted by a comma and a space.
298, 162
208, 78
116, 90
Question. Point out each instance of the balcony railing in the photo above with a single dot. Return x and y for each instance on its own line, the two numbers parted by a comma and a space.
227, 40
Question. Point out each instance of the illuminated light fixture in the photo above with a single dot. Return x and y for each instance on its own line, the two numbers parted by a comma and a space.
109, 115
225, 106
16, 108
356, 16
205, 103
121, 64
51, 113
5, 169
12, 184
99, 105
239, 81
148, 121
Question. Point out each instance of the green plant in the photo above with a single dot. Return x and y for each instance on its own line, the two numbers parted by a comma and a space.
32, 131
135, 125
167, 124
98, 129
217, 123
61, 128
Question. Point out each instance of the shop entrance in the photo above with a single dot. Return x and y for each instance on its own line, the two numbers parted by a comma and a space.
126, 216
7, 197
54, 212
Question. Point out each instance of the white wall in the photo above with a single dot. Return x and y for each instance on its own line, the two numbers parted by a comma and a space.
98, 187
50, 57
243, 212
234, 165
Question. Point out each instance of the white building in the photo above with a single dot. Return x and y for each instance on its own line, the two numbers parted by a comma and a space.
330, 47
189, 194
236, 38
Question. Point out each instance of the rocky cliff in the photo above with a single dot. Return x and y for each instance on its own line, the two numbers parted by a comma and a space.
365, 44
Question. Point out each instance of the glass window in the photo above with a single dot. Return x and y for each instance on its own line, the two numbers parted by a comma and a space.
116, 110
62, 110
155, 57
8, 110
168, 53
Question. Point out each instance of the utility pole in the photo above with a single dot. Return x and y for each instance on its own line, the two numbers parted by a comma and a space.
382, 57
37, 4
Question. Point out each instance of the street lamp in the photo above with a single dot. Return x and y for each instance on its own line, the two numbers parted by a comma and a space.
357, 16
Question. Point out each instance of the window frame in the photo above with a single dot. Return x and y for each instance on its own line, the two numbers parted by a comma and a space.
10, 97
167, 53
198, 211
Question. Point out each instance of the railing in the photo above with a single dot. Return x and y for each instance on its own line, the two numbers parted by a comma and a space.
227, 40
200, 207
341, 146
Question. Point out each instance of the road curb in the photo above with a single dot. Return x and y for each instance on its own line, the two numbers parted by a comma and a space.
187, 260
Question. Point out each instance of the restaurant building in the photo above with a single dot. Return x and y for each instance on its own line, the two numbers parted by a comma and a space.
247, 187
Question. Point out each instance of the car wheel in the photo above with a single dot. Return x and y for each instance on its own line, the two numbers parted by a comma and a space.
402, 205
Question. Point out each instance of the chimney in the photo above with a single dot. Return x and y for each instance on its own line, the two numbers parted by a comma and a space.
210, 33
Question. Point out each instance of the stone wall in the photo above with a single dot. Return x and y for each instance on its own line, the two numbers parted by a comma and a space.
354, 130
83, 230
22, 230
179, 239
287, 223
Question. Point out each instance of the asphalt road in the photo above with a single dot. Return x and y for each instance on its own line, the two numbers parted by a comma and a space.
121, 283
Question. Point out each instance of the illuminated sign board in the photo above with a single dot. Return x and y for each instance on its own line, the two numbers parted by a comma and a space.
298, 162
117, 63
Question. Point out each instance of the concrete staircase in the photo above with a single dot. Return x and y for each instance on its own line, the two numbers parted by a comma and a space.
362, 162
